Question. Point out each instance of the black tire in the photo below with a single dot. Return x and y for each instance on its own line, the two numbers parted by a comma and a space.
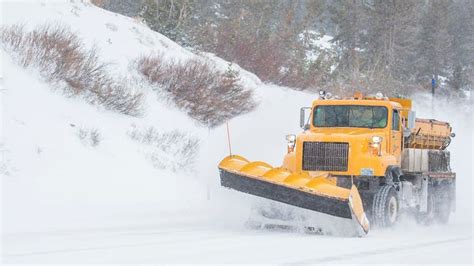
442, 213
427, 218
442, 208
385, 207
439, 207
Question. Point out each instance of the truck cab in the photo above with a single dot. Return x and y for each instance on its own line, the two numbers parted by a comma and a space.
348, 137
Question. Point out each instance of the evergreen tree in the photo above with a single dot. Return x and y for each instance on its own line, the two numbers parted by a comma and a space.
435, 44
392, 36
149, 13
169, 17
350, 21
461, 34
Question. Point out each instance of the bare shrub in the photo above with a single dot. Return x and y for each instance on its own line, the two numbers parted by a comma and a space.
172, 150
207, 95
12, 36
89, 136
262, 57
61, 59
153, 68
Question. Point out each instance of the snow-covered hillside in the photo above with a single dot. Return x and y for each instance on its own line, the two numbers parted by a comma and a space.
49, 166
78, 187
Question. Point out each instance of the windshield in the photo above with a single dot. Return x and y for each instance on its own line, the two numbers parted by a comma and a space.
350, 116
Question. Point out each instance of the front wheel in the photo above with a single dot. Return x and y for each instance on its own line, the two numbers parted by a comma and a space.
385, 207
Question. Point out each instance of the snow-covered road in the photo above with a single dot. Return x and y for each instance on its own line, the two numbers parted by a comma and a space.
198, 240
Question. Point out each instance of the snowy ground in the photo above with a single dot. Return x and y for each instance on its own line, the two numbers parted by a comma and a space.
66, 202
198, 242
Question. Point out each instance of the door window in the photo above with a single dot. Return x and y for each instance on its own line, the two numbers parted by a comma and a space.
395, 121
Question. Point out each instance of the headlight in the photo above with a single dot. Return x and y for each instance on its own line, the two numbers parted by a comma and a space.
291, 139
376, 139
376, 145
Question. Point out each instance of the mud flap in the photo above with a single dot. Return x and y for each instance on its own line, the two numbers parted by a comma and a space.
296, 189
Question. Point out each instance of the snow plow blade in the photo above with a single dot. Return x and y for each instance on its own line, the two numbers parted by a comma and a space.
297, 189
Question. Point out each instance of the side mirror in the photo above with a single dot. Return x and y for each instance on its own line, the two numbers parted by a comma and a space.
304, 123
411, 120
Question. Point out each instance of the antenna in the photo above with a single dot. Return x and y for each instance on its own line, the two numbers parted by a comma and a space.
228, 138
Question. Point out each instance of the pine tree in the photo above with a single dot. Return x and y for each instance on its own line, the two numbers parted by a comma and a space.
392, 36
461, 34
150, 14
169, 17
350, 21
435, 44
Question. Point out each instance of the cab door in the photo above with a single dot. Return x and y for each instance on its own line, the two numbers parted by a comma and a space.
396, 138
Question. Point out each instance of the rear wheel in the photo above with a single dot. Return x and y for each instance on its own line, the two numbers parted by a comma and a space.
427, 218
442, 209
438, 207
385, 207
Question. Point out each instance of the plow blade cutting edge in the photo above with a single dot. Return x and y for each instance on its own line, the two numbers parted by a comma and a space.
297, 189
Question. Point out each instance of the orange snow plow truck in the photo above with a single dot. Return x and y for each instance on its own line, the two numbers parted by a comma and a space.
360, 160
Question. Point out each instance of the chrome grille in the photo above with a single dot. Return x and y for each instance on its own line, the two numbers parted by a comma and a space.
325, 156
